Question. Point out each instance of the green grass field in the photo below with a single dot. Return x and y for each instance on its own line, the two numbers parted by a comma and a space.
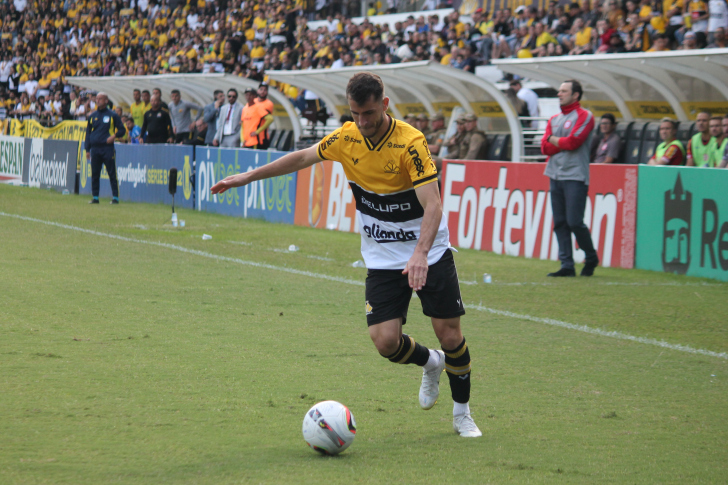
159, 358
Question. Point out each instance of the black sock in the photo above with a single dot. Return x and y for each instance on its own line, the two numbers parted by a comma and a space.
457, 365
409, 352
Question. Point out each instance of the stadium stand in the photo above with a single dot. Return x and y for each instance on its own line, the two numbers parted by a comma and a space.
43, 43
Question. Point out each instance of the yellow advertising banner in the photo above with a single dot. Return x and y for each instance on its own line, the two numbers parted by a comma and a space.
715, 108
600, 108
489, 109
445, 107
654, 110
65, 130
414, 108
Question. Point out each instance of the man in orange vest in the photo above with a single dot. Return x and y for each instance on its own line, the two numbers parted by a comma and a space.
255, 121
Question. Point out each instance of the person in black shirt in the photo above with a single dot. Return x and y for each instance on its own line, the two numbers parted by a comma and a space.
157, 127
103, 128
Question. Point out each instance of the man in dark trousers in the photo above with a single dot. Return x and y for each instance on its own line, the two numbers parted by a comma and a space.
157, 127
103, 128
566, 143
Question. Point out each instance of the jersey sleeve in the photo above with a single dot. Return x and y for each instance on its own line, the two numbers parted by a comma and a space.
419, 164
330, 147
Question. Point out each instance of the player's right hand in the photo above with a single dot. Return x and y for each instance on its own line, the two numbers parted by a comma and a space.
227, 183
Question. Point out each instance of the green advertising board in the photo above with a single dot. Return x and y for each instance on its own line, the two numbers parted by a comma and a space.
682, 221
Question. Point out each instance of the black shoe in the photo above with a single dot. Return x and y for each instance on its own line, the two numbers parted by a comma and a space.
588, 269
93, 201
114, 201
563, 272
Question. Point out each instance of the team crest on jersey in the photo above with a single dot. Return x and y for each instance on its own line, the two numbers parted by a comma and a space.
567, 125
368, 308
390, 167
106, 119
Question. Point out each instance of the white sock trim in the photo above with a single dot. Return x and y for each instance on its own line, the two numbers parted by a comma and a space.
460, 409
433, 361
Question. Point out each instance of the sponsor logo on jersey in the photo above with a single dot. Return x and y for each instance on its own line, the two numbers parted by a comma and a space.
386, 208
355, 160
375, 232
394, 145
417, 161
352, 139
329, 141
390, 167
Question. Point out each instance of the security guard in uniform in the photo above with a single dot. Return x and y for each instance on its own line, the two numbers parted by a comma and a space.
475, 143
455, 141
422, 123
436, 137
103, 128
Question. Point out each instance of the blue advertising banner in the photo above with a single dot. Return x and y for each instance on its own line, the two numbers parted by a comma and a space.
272, 199
143, 174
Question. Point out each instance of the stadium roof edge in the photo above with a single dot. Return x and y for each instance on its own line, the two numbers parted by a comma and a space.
196, 87
424, 86
677, 83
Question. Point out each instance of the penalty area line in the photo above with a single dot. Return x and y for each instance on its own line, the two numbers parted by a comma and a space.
504, 313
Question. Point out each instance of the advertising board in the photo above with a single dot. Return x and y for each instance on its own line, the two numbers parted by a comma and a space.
12, 149
143, 174
324, 198
505, 207
50, 164
271, 199
682, 223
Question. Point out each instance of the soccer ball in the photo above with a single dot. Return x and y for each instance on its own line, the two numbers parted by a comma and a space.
329, 427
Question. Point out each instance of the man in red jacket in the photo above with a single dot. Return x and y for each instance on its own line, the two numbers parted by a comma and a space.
566, 143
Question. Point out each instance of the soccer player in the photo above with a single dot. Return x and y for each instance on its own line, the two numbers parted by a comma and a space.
405, 241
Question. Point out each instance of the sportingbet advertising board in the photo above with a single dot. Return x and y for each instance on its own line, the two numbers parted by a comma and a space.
143, 174
50, 164
506, 208
271, 199
682, 221
324, 198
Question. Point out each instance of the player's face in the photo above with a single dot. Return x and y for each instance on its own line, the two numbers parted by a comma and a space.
565, 95
667, 132
701, 122
715, 128
369, 117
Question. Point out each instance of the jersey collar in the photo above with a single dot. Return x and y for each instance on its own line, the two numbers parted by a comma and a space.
384, 139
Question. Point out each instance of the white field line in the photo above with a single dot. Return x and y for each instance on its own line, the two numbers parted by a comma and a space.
546, 321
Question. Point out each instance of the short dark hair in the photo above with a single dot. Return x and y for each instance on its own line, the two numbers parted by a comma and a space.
671, 121
137, 90
216, 92
233, 90
175, 91
610, 117
364, 86
146, 91
575, 87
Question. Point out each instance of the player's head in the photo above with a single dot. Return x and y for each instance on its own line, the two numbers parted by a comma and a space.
137, 95
714, 126
569, 92
101, 100
701, 122
176, 96
263, 90
365, 93
607, 123
146, 96
668, 129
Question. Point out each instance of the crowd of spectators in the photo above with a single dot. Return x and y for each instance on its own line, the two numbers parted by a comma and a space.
44, 42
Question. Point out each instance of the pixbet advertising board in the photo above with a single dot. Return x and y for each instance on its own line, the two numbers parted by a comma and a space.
505, 207
271, 199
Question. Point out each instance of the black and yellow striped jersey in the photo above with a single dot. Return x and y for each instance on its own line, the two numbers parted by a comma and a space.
383, 178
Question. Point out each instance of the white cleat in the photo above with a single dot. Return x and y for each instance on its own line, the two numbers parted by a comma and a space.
465, 426
430, 387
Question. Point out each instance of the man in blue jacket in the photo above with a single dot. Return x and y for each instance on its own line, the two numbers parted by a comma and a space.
103, 128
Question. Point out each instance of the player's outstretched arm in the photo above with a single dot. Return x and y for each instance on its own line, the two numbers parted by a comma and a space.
289, 163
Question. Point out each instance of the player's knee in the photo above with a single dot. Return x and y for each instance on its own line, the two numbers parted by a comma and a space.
386, 344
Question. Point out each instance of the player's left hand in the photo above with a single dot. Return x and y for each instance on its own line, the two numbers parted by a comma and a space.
416, 269
228, 183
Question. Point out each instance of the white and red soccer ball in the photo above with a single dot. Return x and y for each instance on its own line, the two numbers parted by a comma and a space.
329, 427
